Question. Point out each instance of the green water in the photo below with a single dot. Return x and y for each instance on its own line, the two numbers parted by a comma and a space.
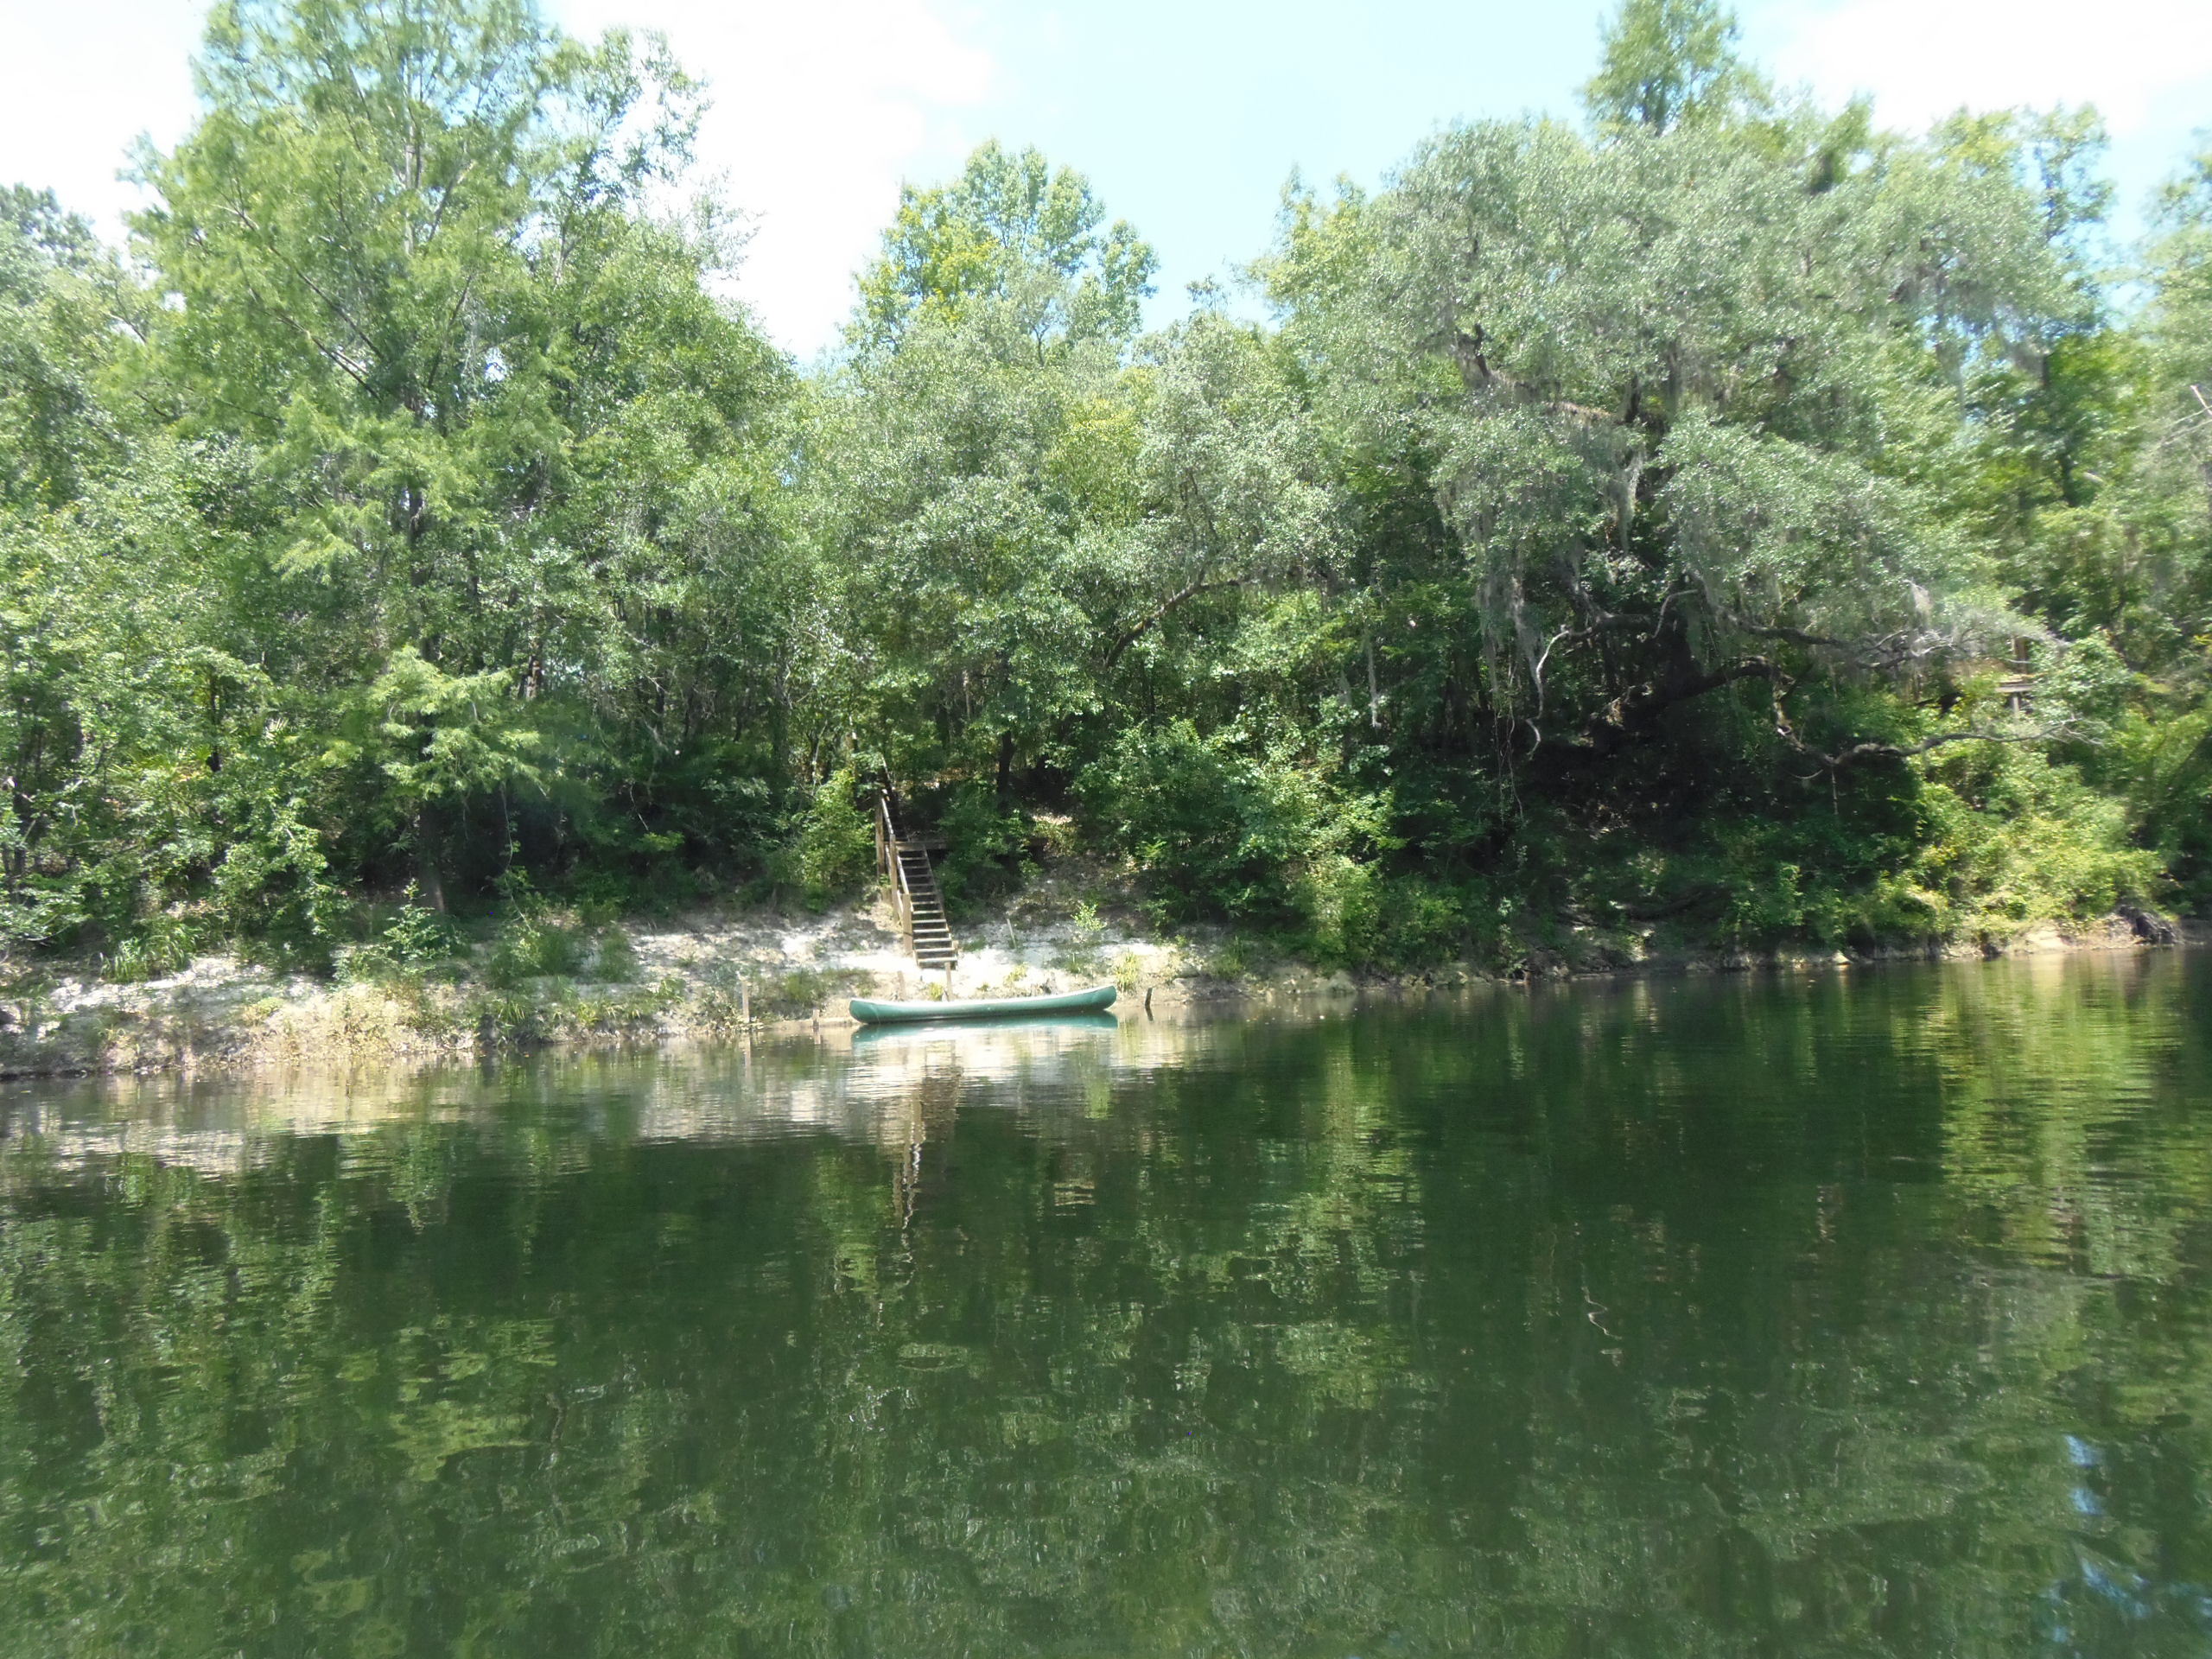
1867, 1314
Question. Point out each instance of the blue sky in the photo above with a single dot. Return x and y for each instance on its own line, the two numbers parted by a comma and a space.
1188, 117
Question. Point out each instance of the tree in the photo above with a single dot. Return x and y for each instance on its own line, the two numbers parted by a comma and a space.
967, 458
1678, 409
1625, 520
1014, 231
414, 264
60, 293
1667, 63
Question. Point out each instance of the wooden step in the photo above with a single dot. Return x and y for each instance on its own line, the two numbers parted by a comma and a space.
929, 931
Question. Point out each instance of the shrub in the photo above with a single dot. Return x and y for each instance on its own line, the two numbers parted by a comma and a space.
836, 843
1358, 915
535, 946
2014, 839
798, 992
984, 846
534, 941
418, 935
1201, 820
613, 957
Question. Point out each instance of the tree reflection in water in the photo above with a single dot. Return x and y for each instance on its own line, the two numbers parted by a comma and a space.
1852, 1314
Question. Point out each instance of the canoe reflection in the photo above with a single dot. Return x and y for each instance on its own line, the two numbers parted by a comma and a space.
978, 1035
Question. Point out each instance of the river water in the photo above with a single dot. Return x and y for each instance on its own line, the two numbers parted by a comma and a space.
1868, 1313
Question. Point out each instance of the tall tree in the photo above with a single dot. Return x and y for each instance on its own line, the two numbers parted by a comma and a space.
415, 264
1014, 232
61, 296
1667, 62
966, 452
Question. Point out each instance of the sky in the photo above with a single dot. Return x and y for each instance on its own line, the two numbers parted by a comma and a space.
1188, 115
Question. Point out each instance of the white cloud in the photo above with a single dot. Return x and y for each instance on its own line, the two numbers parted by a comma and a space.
2143, 63
821, 109
820, 112
80, 82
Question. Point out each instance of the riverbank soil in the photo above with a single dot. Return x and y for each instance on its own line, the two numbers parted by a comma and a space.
721, 971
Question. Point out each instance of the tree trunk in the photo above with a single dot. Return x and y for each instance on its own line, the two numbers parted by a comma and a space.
427, 846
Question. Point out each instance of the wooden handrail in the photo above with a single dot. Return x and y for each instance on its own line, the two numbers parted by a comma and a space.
886, 855
893, 850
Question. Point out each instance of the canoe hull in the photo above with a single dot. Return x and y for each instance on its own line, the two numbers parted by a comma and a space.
1096, 1000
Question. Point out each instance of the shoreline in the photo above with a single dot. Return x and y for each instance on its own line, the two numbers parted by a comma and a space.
771, 975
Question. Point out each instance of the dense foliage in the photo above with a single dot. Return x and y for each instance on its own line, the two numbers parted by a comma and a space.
1647, 522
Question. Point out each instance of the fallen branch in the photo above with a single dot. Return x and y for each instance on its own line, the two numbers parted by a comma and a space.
1659, 910
1858, 752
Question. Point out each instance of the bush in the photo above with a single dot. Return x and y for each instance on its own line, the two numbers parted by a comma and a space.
798, 992
535, 947
534, 941
1358, 915
418, 936
836, 843
1342, 902
2170, 786
1994, 838
136, 960
2014, 839
984, 848
613, 957
1202, 821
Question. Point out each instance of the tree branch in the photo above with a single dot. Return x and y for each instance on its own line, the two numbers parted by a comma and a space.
1137, 631
1631, 713
1475, 371
1858, 752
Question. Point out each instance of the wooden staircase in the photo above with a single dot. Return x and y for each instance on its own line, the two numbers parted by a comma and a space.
906, 864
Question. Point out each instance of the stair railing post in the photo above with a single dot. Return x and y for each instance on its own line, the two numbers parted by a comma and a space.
893, 868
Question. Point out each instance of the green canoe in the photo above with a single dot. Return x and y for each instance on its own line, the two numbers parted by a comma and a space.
990, 1008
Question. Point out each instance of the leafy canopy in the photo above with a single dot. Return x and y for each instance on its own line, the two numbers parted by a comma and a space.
1012, 231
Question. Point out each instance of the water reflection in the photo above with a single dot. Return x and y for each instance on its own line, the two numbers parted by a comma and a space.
1861, 1313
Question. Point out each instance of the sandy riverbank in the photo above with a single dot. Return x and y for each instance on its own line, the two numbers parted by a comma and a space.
715, 974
